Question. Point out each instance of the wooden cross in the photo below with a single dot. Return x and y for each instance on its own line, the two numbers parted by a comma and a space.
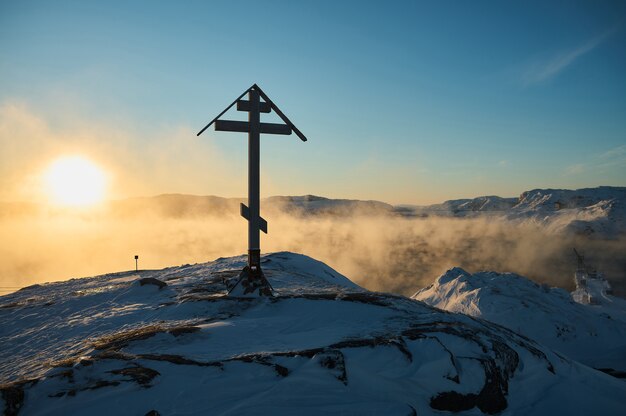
252, 279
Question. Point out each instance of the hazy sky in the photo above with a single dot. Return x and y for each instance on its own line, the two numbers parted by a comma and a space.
402, 101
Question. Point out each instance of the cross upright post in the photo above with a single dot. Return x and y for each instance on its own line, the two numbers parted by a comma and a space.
252, 281
254, 173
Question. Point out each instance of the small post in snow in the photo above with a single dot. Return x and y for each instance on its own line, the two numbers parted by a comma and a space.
136, 263
252, 281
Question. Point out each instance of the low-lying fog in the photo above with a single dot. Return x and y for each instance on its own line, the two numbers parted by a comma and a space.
379, 252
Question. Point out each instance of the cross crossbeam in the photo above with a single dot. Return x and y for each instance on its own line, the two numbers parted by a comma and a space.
244, 127
244, 105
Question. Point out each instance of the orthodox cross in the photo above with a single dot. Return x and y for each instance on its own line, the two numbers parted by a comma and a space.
251, 280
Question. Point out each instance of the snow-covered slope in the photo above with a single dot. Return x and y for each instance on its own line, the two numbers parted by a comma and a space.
171, 342
592, 334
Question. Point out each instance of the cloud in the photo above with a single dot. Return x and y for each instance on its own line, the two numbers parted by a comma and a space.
544, 70
610, 159
576, 169
618, 153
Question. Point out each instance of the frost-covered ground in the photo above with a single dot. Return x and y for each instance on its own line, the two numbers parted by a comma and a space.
594, 334
110, 345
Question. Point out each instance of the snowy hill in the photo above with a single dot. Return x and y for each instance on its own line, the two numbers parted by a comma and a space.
592, 334
171, 342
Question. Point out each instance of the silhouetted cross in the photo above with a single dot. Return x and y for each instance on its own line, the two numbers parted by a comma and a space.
252, 277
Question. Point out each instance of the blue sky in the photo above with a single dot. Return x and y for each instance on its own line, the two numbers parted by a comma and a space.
406, 102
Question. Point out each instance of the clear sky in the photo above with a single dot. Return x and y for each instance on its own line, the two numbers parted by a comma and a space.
402, 101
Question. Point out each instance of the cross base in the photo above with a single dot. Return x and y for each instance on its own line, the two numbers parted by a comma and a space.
252, 281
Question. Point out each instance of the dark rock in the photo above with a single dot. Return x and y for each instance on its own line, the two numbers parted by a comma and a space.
13, 397
180, 330
152, 281
121, 339
141, 375
281, 371
178, 359
334, 360
35, 286
613, 372
453, 401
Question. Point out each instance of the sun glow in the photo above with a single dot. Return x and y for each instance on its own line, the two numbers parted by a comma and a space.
75, 181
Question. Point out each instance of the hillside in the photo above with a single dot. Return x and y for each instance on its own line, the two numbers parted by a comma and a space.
171, 342
592, 334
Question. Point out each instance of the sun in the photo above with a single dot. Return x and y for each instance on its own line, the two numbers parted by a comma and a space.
75, 181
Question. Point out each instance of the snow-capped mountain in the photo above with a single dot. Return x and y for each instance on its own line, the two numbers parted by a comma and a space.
593, 211
594, 334
597, 211
172, 342
469, 207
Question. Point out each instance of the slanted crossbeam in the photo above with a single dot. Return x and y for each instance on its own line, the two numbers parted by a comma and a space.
252, 282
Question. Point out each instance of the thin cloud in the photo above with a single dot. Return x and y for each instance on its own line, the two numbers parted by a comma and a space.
611, 159
544, 70
617, 152
576, 169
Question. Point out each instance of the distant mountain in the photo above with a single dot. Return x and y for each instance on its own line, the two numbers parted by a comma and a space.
172, 342
593, 211
317, 205
469, 207
597, 212
186, 206
592, 334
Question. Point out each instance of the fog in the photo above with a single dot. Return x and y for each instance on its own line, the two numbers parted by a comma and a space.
380, 252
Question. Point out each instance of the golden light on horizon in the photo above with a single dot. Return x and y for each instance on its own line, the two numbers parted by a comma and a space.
75, 181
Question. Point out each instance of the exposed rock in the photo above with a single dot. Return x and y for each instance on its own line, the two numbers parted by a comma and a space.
152, 281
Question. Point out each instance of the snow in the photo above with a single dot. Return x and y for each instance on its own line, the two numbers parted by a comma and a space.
592, 334
322, 345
